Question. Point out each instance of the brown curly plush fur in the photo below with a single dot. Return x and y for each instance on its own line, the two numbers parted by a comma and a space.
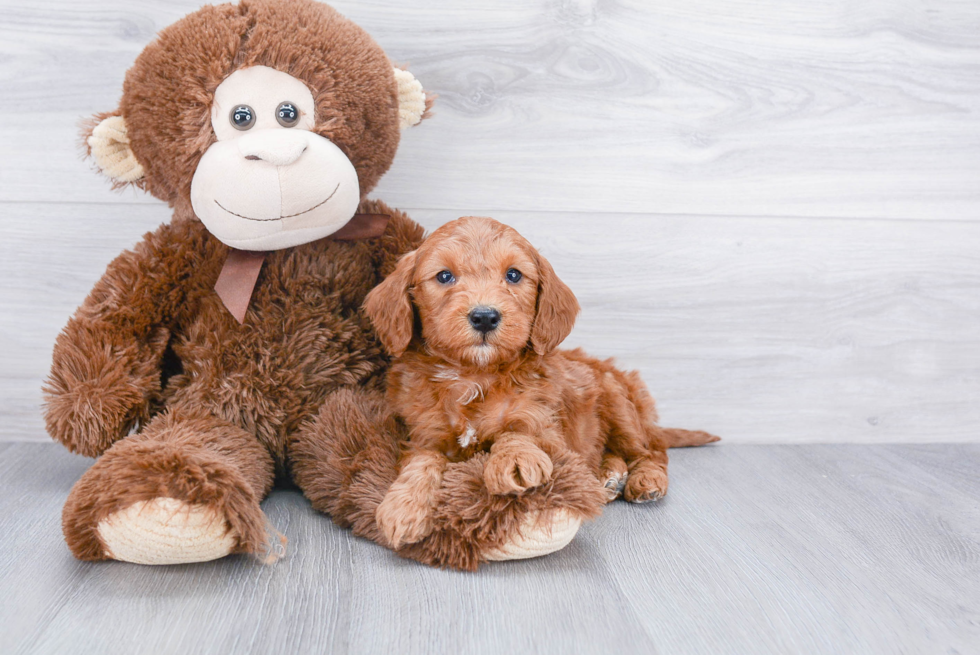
177, 399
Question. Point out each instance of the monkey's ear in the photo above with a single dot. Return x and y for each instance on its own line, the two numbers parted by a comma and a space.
413, 104
108, 143
389, 306
557, 309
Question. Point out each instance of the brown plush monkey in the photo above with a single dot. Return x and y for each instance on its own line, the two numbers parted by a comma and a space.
228, 347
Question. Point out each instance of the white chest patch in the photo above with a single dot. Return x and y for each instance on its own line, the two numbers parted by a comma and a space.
445, 374
470, 394
469, 390
467, 437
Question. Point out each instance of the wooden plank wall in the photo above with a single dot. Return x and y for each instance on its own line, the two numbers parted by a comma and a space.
770, 208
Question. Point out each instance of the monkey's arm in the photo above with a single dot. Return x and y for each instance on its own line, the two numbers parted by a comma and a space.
106, 366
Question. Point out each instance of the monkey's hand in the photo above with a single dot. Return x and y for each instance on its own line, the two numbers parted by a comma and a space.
106, 367
99, 390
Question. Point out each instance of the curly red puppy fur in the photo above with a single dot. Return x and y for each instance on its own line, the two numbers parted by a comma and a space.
474, 317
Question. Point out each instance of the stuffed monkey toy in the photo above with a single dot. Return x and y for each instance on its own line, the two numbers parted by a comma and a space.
229, 348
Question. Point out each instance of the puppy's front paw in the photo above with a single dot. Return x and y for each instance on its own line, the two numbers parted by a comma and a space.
517, 469
402, 520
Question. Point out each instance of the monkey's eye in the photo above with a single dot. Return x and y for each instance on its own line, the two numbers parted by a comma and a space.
514, 276
242, 117
287, 114
445, 277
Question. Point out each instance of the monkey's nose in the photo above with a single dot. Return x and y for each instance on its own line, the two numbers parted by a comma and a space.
275, 146
484, 319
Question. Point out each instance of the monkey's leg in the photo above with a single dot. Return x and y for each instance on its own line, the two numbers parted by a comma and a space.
347, 458
186, 489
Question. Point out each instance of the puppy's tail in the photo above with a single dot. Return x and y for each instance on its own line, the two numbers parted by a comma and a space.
677, 438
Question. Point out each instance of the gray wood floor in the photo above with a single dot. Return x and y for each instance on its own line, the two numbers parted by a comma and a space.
757, 549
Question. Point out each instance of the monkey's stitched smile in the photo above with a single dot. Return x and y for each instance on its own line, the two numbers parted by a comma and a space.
265, 220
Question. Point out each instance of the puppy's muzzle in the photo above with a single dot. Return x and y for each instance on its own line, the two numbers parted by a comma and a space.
484, 319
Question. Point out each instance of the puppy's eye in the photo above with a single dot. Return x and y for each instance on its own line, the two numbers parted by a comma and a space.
514, 276
287, 114
445, 277
242, 117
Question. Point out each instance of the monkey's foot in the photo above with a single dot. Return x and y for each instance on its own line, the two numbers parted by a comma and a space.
166, 531
150, 501
539, 536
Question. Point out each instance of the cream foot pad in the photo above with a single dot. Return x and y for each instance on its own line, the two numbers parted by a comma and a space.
537, 539
165, 531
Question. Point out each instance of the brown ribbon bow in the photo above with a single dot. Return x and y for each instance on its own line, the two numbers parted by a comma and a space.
238, 276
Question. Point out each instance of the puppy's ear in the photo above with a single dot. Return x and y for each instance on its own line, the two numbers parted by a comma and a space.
557, 309
389, 306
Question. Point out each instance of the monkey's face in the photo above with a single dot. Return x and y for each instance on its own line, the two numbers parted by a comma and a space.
269, 182
268, 120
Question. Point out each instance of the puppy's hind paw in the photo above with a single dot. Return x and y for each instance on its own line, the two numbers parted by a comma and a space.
647, 482
614, 485
613, 475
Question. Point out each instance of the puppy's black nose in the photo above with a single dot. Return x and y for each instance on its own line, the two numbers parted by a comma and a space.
485, 319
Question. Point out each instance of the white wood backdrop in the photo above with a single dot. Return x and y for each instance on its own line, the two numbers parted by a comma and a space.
771, 208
